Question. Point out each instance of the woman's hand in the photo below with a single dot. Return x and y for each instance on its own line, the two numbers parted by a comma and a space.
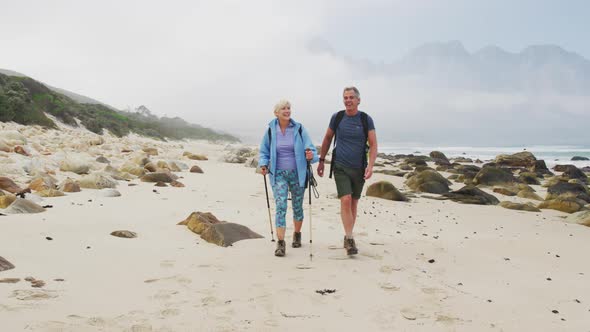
308, 154
263, 170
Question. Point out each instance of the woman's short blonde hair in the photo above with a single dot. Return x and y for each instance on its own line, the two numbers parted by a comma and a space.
282, 103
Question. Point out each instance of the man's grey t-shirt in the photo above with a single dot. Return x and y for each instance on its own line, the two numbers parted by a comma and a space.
350, 139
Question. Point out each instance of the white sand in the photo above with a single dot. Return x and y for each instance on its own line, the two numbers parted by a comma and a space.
169, 279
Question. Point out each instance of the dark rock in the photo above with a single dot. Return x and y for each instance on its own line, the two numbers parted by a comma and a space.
569, 205
518, 206
124, 234
161, 184
391, 172
540, 168
158, 177
196, 169
578, 158
505, 191
439, 158
5, 265
491, 176
218, 232
572, 172
385, 190
462, 160
429, 181
103, 160
472, 195
529, 178
417, 161
520, 159
568, 190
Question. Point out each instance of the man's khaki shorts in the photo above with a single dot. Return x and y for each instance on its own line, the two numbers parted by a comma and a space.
349, 181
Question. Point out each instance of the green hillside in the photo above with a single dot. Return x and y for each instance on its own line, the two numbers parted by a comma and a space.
26, 101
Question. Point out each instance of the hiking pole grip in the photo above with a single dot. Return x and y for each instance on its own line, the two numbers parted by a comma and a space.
272, 235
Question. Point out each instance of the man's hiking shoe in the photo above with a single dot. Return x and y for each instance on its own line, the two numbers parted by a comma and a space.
350, 246
296, 240
280, 251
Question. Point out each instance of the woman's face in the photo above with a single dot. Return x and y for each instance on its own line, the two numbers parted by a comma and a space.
284, 113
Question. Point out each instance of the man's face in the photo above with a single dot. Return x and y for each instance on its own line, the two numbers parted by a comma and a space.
351, 102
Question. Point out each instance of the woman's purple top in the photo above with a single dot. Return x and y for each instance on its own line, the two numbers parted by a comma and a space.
285, 148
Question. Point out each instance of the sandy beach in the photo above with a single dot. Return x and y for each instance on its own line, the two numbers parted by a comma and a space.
423, 265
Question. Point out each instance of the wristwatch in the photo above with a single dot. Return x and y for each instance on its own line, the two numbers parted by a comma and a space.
322, 159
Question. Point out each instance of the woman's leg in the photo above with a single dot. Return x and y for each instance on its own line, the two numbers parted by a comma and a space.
280, 192
297, 193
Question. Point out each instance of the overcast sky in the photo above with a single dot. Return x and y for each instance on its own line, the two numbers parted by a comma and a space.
224, 64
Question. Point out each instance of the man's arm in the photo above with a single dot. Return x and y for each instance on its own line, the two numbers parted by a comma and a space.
372, 138
324, 150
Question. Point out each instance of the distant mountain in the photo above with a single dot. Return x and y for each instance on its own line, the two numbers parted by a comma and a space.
72, 95
536, 69
26, 101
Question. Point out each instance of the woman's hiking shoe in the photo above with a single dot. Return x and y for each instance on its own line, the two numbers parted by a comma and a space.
350, 246
296, 240
280, 251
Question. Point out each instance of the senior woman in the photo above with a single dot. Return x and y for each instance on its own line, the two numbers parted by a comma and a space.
284, 152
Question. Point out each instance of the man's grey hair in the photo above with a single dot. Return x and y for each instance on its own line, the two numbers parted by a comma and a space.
352, 88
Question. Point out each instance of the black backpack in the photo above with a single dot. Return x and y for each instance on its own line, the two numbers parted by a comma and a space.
365, 122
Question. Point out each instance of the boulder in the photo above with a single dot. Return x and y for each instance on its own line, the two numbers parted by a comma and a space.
238, 155
385, 190
492, 176
572, 172
97, 181
417, 160
196, 169
429, 181
192, 156
5, 265
150, 167
22, 206
580, 218
109, 192
50, 193
251, 162
568, 190
4, 147
472, 195
462, 160
21, 150
520, 159
69, 186
216, 231
161, 164
177, 184
529, 178
391, 172
519, 206
117, 175
124, 234
540, 168
13, 137
158, 177
43, 183
75, 166
505, 191
579, 158
133, 169
569, 205
150, 151
174, 167
529, 194
9, 185
96, 140
160, 184
140, 160
6, 200
439, 158
102, 160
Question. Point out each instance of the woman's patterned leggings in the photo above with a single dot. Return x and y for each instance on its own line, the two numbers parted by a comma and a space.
287, 180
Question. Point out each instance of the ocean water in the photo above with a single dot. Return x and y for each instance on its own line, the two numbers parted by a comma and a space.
552, 154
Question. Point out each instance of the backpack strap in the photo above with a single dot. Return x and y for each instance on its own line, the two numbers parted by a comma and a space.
365, 121
337, 121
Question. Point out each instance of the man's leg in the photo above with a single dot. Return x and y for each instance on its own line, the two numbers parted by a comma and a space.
347, 215
354, 206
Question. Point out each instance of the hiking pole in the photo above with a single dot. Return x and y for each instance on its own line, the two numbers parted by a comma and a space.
268, 206
309, 177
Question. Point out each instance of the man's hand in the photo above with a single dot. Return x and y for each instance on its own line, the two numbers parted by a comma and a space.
368, 173
263, 170
321, 168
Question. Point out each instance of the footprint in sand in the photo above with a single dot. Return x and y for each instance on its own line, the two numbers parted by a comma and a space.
31, 295
170, 312
209, 300
412, 314
167, 263
388, 269
164, 294
389, 287
141, 328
